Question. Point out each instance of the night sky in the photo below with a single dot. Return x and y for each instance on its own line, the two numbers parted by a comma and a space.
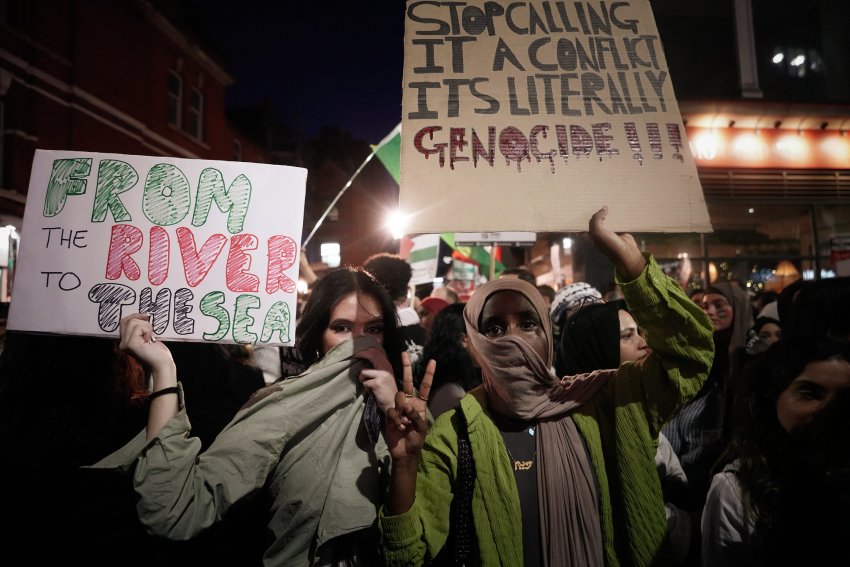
319, 63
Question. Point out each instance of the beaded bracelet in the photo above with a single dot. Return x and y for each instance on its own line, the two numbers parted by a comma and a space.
169, 390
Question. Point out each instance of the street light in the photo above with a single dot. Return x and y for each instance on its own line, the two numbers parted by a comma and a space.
397, 223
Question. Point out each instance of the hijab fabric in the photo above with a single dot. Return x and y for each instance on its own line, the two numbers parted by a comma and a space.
742, 312
521, 385
591, 339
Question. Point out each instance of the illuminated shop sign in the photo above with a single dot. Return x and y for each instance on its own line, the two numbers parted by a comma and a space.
773, 148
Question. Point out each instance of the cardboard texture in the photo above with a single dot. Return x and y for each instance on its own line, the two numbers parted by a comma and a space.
208, 248
530, 116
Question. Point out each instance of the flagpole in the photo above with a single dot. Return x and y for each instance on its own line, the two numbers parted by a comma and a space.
492, 262
343, 190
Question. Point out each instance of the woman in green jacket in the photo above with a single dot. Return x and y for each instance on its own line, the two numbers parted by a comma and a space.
536, 470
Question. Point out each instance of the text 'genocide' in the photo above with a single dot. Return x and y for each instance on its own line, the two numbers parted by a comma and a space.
466, 145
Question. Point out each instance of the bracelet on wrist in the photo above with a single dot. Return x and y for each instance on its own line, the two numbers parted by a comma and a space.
162, 392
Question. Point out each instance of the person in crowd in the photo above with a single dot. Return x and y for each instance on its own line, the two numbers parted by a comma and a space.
445, 293
764, 333
548, 293
532, 469
394, 274
429, 308
762, 299
605, 335
311, 443
568, 300
819, 307
775, 501
699, 432
456, 371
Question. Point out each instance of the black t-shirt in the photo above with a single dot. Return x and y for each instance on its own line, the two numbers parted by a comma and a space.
521, 442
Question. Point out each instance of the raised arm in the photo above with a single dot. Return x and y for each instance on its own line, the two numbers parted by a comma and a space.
622, 249
138, 339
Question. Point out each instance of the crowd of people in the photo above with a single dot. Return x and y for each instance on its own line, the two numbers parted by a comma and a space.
522, 425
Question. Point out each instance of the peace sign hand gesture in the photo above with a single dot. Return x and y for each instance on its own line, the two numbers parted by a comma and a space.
406, 422
405, 435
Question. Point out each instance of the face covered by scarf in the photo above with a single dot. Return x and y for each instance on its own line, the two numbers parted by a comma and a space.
519, 383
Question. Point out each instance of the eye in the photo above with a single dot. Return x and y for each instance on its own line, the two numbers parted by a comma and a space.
627, 335
375, 329
810, 393
341, 328
493, 330
529, 325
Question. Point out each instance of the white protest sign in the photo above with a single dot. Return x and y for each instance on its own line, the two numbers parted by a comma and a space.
208, 248
530, 116
424, 258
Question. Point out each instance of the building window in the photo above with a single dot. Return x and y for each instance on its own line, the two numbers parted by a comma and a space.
237, 150
175, 98
330, 254
196, 114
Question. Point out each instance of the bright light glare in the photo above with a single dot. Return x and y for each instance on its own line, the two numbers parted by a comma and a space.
567, 244
397, 223
330, 253
792, 147
778, 58
799, 60
751, 210
749, 147
837, 149
302, 287
706, 145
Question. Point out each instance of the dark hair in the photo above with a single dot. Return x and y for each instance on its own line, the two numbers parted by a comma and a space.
444, 345
326, 293
547, 291
694, 292
820, 307
590, 339
392, 271
759, 442
762, 321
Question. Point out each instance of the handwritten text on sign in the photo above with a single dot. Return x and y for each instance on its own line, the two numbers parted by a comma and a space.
587, 73
499, 97
109, 235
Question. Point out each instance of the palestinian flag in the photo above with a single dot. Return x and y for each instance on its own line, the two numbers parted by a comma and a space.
388, 152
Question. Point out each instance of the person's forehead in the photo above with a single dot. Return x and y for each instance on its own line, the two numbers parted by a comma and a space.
356, 304
711, 297
506, 301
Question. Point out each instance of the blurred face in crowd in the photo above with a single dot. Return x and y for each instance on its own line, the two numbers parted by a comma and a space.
632, 344
510, 313
820, 381
354, 315
770, 333
719, 310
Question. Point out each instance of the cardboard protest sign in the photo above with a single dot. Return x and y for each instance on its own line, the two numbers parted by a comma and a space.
530, 116
208, 248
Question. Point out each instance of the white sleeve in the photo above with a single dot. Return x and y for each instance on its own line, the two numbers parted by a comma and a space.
725, 529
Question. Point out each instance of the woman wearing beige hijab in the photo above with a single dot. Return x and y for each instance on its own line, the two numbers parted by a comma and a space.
536, 470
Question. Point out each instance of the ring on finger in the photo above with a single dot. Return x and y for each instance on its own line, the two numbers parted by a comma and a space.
421, 398
406, 395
